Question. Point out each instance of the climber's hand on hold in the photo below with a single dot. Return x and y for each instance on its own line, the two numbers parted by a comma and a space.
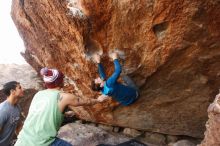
96, 58
69, 114
214, 108
113, 55
102, 98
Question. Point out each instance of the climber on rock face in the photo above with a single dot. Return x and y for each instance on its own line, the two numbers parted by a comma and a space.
124, 94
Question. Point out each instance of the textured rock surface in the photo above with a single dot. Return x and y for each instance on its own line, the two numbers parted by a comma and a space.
212, 132
86, 135
171, 49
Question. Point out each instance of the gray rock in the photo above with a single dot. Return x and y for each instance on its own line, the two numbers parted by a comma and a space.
182, 143
131, 132
24, 74
87, 135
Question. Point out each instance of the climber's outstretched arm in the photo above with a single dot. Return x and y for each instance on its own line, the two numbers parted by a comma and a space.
114, 77
101, 70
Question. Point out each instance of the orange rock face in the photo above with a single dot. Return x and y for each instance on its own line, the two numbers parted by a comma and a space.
170, 49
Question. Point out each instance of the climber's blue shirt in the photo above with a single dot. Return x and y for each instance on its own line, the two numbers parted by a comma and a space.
121, 93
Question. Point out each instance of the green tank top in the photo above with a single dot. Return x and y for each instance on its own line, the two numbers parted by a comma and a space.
43, 121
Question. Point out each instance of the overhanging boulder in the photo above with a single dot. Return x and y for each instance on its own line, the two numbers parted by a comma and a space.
171, 49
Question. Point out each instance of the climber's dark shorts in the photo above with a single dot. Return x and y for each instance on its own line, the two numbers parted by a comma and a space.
137, 95
60, 142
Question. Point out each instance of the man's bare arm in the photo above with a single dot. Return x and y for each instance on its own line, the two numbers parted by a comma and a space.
2, 122
89, 101
84, 101
70, 100
73, 100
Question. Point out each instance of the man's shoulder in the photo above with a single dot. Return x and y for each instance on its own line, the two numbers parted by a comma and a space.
65, 95
65, 98
3, 105
4, 109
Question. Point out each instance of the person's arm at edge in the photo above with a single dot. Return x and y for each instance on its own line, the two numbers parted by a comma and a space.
3, 119
18, 128
97, 59
101, 71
